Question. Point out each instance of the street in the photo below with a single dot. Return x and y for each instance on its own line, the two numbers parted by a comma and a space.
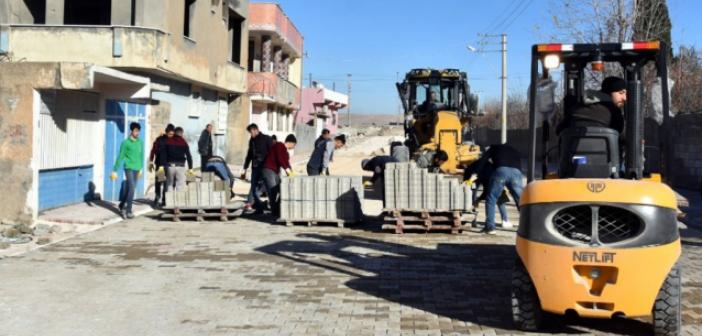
250, 277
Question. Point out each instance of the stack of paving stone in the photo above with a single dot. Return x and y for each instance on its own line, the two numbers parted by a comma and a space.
409, 188
312, 199
207, 193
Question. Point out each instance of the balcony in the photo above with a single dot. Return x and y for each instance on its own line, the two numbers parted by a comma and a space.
145, 49
270, 87
269, 18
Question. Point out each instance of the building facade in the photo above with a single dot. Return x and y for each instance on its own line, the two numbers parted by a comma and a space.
75, 73
275, 69
320, 108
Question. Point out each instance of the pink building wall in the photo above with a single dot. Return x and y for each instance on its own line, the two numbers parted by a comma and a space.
314, 101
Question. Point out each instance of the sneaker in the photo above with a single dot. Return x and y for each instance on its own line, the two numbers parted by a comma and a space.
488, 231
123, 213
506, 225
121, 206
130, 215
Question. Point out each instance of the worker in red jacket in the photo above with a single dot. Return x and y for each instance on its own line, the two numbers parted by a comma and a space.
277, 159
155, 164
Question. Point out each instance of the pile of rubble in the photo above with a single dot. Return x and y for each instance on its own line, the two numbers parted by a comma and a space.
18, 233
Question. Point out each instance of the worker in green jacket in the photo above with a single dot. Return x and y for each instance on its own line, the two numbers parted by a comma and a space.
131, 154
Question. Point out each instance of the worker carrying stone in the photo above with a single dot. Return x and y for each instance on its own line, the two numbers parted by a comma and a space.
432, 160
277, 159
323, 154
601, 108
218, 166
131, 157
377, 166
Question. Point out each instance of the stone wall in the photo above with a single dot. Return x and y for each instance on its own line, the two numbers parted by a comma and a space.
687, 148
686, 137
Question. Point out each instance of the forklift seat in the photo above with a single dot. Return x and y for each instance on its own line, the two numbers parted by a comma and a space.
589, 152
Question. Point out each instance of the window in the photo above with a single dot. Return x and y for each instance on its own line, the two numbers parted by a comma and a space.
38, 10
236, 23
251, 66
188, 16
87, 12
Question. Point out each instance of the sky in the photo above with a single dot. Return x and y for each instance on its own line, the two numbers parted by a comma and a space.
377, 41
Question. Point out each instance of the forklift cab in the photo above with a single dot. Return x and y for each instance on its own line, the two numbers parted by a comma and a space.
595, 151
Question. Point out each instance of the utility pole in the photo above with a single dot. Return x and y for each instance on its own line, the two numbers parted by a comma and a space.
503, 134
348, 107
503, 50
310, 74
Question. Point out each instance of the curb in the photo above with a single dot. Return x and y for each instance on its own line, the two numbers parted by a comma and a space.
93, 226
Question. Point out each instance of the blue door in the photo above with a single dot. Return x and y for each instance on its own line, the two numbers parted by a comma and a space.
119, 114
64, 186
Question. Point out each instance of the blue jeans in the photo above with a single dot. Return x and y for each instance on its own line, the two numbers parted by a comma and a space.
126, 193
222, 171
501, 178
256, 176
272, 182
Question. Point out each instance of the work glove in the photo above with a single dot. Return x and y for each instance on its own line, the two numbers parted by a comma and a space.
191, 173
161, 170
113, 176
243, 176
326, 172
152, 167
368, 184
469, 182
290, 172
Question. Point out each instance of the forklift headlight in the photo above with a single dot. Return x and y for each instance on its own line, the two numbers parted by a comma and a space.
552, 61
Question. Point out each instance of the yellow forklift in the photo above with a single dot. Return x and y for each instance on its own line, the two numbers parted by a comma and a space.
438, 108
598, 234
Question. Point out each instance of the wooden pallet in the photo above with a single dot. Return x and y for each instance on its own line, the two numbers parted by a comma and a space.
291, 222
401, 220
201, 214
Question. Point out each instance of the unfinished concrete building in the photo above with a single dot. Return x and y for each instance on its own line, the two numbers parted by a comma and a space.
75, 73
275, 69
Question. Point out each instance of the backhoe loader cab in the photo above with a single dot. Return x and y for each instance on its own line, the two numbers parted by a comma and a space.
598, 233
438, 107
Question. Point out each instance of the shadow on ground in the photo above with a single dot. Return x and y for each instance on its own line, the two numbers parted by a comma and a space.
466, 282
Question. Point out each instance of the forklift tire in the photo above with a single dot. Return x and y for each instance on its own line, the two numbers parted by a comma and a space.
526, 308
667, 308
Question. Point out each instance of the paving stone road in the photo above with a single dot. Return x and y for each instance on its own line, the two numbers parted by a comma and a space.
248, 277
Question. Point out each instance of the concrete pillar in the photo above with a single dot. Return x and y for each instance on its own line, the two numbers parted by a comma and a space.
121, 13
285, 70
266, 53
54, 11
277, 60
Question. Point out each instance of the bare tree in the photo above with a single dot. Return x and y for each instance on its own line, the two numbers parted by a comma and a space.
687, 72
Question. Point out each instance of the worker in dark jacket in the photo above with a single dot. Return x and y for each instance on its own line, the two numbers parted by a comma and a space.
277, 159
205, 145
174, 154
323, 154
326, 135
478, 175
155, 164
507, 163
601, 108
259, 145
377, 166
